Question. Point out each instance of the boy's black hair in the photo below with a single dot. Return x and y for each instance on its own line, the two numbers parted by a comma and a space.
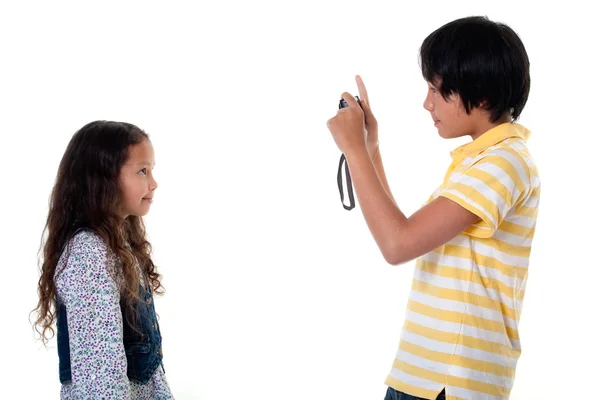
482, 61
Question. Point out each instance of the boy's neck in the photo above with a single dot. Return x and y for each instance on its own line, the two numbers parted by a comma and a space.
485, 125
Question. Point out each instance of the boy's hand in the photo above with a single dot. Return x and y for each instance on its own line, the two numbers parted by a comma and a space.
348, 126
370, 121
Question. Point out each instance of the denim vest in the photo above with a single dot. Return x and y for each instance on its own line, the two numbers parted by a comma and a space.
143, 352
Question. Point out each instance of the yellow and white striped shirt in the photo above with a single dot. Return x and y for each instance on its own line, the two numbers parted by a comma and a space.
461, 330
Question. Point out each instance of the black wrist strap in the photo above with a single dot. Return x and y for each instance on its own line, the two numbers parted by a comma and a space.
348, 183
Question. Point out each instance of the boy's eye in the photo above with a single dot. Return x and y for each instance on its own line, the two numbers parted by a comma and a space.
142, 171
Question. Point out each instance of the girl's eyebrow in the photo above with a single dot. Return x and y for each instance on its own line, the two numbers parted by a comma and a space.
142, 163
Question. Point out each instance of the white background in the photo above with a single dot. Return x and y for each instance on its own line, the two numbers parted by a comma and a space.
274, 291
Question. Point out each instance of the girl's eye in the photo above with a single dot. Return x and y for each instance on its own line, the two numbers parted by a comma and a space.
142, 171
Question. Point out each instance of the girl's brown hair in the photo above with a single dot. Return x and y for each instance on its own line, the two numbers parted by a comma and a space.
87, 194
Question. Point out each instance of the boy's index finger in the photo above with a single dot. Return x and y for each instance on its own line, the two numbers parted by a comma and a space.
362, 90
350, 100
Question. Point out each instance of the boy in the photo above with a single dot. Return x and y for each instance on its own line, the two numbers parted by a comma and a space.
473, 237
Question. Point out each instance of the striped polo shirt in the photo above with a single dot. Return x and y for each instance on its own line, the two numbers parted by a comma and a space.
461, 329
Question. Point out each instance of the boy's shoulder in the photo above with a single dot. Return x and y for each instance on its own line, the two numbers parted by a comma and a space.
511, 156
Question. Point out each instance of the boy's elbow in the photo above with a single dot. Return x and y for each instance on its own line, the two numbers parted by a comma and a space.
396, 261
398, 248
396, 256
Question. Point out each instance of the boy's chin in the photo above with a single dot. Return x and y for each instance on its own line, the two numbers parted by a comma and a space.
443, 134
448, 135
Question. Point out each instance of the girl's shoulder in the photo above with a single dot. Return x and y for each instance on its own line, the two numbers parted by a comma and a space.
86, 242
85, 253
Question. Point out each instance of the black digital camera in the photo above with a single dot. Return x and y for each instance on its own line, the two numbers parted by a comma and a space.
344, 104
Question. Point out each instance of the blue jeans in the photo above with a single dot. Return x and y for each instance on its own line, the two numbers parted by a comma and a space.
393, 394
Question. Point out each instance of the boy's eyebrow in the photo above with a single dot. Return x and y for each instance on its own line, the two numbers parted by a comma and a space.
435, 82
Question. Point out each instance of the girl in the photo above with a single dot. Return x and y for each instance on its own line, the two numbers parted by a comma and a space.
98, 278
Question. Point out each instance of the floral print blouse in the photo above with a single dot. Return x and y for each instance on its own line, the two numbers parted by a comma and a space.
88, 282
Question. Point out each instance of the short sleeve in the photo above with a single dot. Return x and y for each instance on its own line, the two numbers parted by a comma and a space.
489, 188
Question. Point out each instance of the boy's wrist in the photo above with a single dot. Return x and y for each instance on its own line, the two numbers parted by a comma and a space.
358, 152
375, 155
374, 151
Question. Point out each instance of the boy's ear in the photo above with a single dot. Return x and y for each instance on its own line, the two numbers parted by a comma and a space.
483, 104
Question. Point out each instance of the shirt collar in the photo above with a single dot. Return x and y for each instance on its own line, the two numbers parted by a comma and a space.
490, 138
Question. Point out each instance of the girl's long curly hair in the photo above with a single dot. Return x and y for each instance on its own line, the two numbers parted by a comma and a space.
87, 193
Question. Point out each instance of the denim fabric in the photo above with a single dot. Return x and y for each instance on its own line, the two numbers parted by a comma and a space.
143, 351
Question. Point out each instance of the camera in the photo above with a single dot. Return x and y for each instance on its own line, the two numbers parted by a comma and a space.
343, 166
343, 103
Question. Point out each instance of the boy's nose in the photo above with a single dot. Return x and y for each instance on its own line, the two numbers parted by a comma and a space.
428, 104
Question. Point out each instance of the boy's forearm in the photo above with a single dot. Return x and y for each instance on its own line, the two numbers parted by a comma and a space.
378, 163
384, 219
